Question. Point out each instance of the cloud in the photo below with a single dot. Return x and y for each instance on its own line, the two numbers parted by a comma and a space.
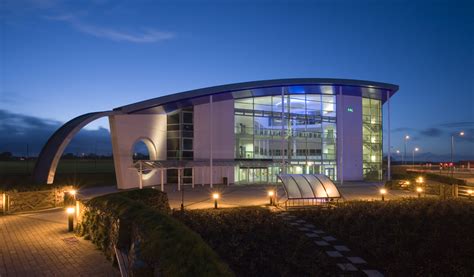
17, 131
464, 124
431, 132
402, 129
146, 35
440, 130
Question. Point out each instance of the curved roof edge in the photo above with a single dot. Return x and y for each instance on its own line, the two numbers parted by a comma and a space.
253, 85
48, 159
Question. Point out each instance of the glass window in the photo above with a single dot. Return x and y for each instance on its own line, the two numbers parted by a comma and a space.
372, 138
258, 126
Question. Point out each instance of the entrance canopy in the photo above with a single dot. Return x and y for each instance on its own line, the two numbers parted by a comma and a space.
308, 186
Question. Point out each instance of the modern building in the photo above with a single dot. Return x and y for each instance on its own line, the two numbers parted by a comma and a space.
242, 133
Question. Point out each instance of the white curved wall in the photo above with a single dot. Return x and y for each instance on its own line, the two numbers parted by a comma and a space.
125, 131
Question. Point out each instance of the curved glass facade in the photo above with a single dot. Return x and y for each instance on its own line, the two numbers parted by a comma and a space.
294, 130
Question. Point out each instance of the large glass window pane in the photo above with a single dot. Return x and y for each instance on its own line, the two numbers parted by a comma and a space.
372, 138
309, 127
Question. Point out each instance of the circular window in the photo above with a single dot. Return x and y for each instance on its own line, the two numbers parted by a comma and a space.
143, 150
140, 151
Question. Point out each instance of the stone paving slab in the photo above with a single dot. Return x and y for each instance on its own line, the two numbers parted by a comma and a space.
342, 248
321, 243
356, 260
373, 273
38, 244
347, 267
329, 238
334, 254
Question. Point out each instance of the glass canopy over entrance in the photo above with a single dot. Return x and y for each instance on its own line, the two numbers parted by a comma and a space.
308, 186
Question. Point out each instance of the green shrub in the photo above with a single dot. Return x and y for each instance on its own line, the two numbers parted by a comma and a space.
165, 246
149, 197
407, 237
255, 242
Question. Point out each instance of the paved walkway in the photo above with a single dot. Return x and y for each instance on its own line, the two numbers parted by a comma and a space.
38, 244
250, 195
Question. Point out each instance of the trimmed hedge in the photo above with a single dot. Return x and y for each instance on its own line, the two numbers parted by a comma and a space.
149, 197
255, 242
411, 237
157, 243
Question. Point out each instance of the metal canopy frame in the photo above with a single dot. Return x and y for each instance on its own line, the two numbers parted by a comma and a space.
177, 164
308, 189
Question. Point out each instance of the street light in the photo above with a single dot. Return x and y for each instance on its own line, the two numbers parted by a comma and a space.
416, 149
407, 137
419, 190
383, 192
215, 196
271, 193
452, 151
70, 218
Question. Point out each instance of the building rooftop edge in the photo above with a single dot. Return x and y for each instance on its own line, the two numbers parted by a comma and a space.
161, 100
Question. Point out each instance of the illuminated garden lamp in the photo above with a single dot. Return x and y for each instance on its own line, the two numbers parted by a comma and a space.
215, 196
383, 192
419, 190
271, 193
70, 218
469, 192
73, 193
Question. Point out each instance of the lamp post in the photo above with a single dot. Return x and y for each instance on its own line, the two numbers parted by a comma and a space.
70, 218
416, 149
407, 137
419, 182
419, 190
215, 196
383, 192
271, 193
452, 151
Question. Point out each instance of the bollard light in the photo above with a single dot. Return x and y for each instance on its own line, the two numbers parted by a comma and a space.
215, 196
70, 218
383, 192
271, 193
419, 190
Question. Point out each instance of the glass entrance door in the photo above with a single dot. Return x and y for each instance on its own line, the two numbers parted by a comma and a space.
253, 175
329, 172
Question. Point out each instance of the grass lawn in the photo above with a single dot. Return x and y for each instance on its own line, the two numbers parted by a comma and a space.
255, 242
426, 237
77, 172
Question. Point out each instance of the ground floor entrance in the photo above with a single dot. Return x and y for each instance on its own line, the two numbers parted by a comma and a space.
267, 174
253, 175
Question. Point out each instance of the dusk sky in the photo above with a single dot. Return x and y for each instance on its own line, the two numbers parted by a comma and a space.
62, 59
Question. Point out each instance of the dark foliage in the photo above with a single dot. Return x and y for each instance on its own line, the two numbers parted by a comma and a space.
255, 242
159, 244
424, 237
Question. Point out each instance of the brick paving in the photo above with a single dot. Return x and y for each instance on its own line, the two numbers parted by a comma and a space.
38, 244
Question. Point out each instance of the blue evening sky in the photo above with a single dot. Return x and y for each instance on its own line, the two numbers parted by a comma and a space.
60, 59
